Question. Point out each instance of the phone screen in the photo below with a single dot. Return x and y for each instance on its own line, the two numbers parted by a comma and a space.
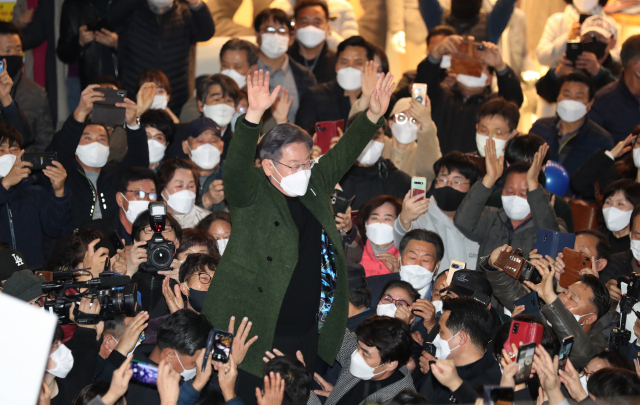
222, 346
144, 373
565, 351
525, 362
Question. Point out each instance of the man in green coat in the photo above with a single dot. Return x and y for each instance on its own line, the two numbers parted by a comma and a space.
284, 267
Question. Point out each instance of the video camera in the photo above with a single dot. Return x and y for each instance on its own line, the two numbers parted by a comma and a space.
160, 251
620, 336
112, 301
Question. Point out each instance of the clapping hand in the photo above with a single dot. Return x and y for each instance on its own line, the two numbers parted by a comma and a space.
258, 95
380, 97
369, 79
494, 165
536, 166
280, 109
145, 97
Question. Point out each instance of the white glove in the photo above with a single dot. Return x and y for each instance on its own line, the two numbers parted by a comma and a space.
399, 43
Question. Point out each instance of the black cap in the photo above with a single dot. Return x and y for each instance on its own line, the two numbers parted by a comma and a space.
466, 282
357, 276
199, 125
10, 261
23, 285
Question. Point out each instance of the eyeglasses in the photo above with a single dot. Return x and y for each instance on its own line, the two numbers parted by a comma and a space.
403, 118
142, 194
485, 131
204, 277
274, 30
40, 301
167, 228
297, 168
387, 299
452, 183
584, 373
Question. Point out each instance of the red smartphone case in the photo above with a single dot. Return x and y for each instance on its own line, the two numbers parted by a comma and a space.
325, 131
524, 332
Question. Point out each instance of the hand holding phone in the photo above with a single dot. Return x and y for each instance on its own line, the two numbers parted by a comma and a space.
565, 351
112, 242
525, 362
453, 267
325, 132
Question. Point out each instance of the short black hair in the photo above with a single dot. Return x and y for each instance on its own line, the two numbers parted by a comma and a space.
143, 221
276, 138
11, 135
205, 223
460, 162
360, 297
499, 106
409, 397
89, 392
196, 263
615, 360
445, 30
523, 167
168, 169
297, 380
384, 60
579, 77
602, 246
160, 120
630, 50
368, 207
522, 148
276, 14
156, 77
629, 188
108, 80
550, 340
8, 28
390, 336
228, 85
358, 41
470, 316
614, 386
197, 237
185, 331
600, 298
302, 4
413, 293
237, 44
69, 251
135, 174
423, 235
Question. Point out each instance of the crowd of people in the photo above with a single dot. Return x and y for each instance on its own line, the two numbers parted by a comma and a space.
391, 262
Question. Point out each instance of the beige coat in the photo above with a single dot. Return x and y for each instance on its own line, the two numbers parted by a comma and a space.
382, 16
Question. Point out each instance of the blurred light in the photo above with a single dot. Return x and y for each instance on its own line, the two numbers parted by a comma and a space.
530, 76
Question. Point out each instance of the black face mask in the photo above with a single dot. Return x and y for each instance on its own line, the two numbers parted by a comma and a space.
14, 64
596, 47
465, 9
196, 299
448, 198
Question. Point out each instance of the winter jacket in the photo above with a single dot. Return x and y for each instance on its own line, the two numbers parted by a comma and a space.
491, 227
373, 266
620, 264
28, 213
31, 99
150, 41
324, 102
456, 245
616, 110
324, 68
84, 348
454, 116
598, 170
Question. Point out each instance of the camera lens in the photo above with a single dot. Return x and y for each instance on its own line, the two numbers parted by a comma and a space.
161, 256
126, 300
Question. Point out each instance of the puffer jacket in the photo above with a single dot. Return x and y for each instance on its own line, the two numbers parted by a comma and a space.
586, 344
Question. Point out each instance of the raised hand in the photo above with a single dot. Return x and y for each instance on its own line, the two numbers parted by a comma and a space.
422, 113
369, 79
202, 377
132, 333
623, 147
412, 209
57, 175
536, 166
87, 98
380, 97
94, 260
273, 390
6, 84
427, 311
240, 343
145, 97
447, 46
258, 95
119, 383
168, 384
280, 110
20, 171
173, 298
326, 387
227, 375
547, 370
492, 57
131, 112
496, 253
495, 166
545, 288
571, 380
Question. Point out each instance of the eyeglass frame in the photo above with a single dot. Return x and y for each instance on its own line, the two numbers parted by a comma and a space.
152, 196
273, 30
453, 183
292, 168
167, 228
393, 301
412, 120
200, 274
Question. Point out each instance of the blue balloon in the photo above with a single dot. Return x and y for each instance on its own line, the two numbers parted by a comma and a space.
557, 178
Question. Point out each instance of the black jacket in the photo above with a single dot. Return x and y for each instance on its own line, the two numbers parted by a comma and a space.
367, 182
324, 102
574, 152
65, 143
325, 67
616, 109
27, 213
454, 116
621, 264
149, 41
106, 225
598, 170
95, 59
84, 348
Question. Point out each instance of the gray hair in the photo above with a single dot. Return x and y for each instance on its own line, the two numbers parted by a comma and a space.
276, 138
423, 235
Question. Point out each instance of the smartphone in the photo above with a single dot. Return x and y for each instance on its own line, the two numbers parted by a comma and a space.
144, 373
418, 186
565, 351
453, 267
574, 261
222, 342
574, 49
1, 65
551, 242
525, 362
111, 242
325, 131
219, 176
525, 332
207, 351
419, 92
340, 204
496, 395
98, 25
531, 304
430, 348
40, 160
105, 112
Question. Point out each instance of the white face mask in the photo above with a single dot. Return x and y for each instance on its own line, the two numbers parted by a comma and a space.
616, 219
6, 163
416, 275
379, 233
182, 202
406, 133
135, 209
481, 141
438, 305
159, 102
636, 157
472, 81
295, 184
222, 245
583, 382
274, 45
571, 110
205, 156
220, 113
161, 3
635, 249
386, 310
128, 354
584, 6
240, 79
156, 150
445, 62
94, 154
311, 36
186, 374
64, 362
516, 207
360, 369
442, 347
578, 317
371, 153
349, 78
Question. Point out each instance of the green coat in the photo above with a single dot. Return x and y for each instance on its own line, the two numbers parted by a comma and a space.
254, 273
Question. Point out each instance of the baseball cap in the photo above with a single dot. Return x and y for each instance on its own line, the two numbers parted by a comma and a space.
597, 23
23, 285
357, 276
11, 261
199, 125
401, 105
466, 282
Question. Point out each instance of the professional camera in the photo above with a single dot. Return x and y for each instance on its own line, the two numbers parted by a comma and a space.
159, 250
620, 336
114, 293
514, 264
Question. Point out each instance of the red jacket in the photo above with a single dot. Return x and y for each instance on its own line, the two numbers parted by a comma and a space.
373, 266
